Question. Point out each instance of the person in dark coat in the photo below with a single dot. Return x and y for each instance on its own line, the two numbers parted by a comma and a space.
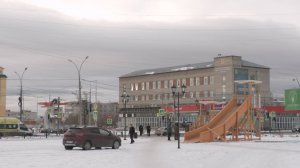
141, 129
131, 133
148, 130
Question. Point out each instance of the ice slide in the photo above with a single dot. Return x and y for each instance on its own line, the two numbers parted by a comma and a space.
227, 119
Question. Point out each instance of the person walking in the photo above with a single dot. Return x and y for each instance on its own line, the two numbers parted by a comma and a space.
141, 129
148, 130
131, 133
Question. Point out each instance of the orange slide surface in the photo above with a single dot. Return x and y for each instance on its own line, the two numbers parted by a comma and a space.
228, 118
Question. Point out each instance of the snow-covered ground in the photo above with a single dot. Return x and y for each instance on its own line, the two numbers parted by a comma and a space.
153, 152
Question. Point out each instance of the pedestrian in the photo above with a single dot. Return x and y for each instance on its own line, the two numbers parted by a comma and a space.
141, 129
131, 133
148, 130
169, 130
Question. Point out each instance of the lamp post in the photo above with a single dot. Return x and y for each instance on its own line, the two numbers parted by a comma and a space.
125, 99
21, 92
175, 93
79, 87
296, 79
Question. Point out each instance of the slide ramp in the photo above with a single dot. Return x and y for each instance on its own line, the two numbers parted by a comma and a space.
220, 125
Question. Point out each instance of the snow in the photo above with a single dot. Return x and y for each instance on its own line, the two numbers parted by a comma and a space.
273, 151
183, 69
149, 73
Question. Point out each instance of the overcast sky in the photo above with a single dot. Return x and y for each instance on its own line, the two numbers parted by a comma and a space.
121, 36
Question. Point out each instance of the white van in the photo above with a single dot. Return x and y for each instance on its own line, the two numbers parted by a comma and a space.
10, 126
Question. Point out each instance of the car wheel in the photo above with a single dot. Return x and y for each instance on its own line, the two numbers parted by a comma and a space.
68, 147
87, 145
116, 145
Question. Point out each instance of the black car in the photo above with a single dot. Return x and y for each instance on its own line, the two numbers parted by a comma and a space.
88, 137
296, 128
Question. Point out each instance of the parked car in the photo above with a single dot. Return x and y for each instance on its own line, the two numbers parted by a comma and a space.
89, 137
161, 131
296, 128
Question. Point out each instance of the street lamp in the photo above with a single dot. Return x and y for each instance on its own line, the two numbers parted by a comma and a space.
175, 93
125, 99
79, 86
296, 79
21, 92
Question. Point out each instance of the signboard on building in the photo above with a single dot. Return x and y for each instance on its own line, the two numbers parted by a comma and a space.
292, 99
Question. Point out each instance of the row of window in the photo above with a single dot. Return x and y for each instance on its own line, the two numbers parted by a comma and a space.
195, 81
169, 96
8, 126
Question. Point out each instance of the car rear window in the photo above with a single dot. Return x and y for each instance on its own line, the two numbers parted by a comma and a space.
75, 130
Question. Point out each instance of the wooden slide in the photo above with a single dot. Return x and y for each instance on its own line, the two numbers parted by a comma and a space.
228, 120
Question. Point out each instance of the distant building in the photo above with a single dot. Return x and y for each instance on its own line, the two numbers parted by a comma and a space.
150, 90
30, 118
106, 112
2, 93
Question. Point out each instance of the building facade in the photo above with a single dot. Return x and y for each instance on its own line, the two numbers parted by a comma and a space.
150, 90
2, 93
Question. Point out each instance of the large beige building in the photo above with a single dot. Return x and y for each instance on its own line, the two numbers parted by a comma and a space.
150, 89
2, 93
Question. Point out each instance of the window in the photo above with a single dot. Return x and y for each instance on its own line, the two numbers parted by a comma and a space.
211, 93
165, 84
132, 86
197, 81
171, 83
191, 81
178, 83
192, 94
224, 78
136, 98
184, 81
197, 94
147, 97
154, 85
104, 132
147, 85
136, 86
205, 80
212, 80
143, 98
158, 84
94, 130
23, 127
165, 96
206, 94
223, 90
143, 85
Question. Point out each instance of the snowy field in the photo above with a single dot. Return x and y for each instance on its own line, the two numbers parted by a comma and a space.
153, 152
